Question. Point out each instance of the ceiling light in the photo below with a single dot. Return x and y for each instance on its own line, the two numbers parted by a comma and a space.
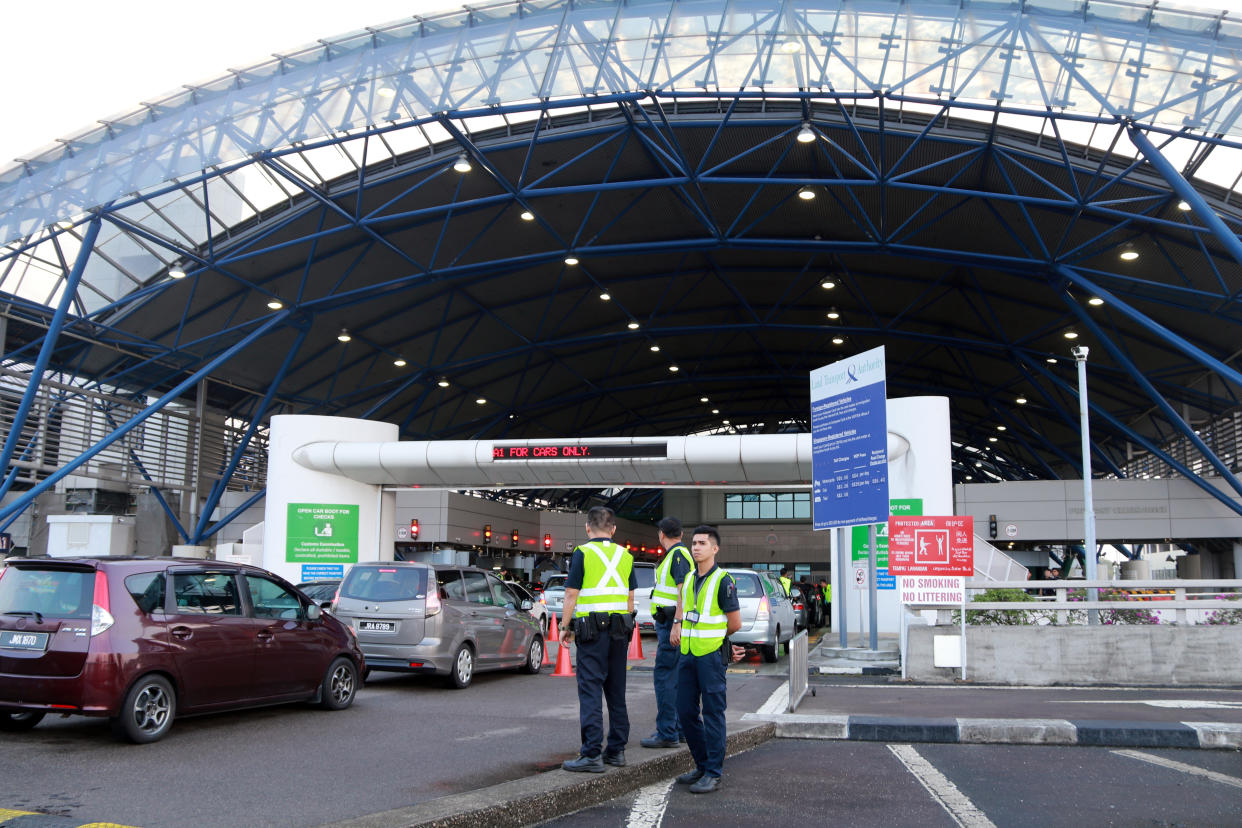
702, 399
655, 348
633, 325
1129, 254
605, 296
833, 313
1021, 401
806, 194
275, 304
991, 439
571, 260
443, 382
805, 135
176, 273
462, 164
969, 477
343, 336
481, 401
1183, 206
399, 362
673, 368
527, 215
715, 410
1070, 334
838, 340
1051, 360
726, 422
827, 284
1096, 301
1001, 428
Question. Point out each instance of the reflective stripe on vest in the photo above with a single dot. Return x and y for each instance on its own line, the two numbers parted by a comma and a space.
708, 633
605, 578
664, 594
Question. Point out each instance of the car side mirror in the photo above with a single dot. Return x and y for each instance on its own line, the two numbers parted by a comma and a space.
527, 604
313, 612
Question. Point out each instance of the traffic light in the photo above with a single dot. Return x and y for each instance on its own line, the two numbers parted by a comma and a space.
992, 526
413, 529
487, 534
513, 538
547, 543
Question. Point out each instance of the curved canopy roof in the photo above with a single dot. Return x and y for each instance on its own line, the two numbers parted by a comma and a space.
603, 218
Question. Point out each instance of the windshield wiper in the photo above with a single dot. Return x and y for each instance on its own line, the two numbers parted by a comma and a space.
35, 613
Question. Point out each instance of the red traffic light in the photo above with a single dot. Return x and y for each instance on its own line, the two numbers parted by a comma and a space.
547, 543
413, 529
513, 538
487, 533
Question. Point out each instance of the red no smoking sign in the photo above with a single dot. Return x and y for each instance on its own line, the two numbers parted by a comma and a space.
931, 545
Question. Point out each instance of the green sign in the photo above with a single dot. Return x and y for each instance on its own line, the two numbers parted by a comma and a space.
858, 534
321, 533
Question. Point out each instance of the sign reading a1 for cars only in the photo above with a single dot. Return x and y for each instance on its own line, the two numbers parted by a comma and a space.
322, 533
849, 442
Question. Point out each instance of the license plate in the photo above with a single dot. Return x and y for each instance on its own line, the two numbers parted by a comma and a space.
377, 626
15, 640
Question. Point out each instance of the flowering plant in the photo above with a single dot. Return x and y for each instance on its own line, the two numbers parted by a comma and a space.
1225, 616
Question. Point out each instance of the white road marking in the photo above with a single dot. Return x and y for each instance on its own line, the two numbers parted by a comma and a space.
1183, 704
955, 802
648, 808
1181, 766
491, 734
778, 702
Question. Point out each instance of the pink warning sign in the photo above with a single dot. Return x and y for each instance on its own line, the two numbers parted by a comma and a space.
931, 545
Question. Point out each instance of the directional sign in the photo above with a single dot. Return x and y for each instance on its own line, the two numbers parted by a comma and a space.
849, 442
931, 545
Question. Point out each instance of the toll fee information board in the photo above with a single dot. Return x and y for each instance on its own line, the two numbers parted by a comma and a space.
931, 545
849, 442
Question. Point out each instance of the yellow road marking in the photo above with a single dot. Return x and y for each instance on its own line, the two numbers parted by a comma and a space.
5, 813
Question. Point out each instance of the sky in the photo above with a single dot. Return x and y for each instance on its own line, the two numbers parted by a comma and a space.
69, 63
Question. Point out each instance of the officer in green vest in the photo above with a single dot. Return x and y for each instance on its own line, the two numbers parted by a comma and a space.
599, 616
786, 581
709, 614
670, 574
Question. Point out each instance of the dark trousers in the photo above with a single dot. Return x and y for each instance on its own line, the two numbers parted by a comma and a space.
703, 678
665, 677
601, 671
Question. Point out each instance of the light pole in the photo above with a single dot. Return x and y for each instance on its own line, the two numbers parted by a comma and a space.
1088, 509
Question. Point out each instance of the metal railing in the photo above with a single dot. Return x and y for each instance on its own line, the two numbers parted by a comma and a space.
798, 667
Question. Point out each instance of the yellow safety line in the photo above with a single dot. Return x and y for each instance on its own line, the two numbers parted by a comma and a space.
104, 825
5, 813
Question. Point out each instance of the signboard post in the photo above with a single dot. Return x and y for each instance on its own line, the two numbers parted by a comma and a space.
849, 452
934, 555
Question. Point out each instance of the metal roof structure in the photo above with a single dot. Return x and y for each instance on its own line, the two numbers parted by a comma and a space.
555, 218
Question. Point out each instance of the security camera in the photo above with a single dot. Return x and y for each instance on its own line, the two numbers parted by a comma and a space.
1079, 352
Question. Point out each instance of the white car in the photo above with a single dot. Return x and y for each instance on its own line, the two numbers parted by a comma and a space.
539, 609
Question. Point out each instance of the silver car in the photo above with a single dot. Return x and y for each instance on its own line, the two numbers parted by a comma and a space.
539, 607
451, 621
767, 614
554, 592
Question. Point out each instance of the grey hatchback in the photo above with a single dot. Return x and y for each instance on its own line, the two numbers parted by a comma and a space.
444, 620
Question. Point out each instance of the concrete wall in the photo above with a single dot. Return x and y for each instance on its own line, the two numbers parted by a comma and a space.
1048, 655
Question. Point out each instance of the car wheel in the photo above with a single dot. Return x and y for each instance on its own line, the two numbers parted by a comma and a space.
768, 652
13, 721
534, 655
147, 712
462, 669
340, 685
787, 647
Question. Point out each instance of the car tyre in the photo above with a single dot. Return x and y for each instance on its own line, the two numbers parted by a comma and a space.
340, 685
147, 711
534, 655
15, 721
768, 651
787, 646
461, 671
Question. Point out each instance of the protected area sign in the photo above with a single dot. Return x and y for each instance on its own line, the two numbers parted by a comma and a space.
321, 533
931, 545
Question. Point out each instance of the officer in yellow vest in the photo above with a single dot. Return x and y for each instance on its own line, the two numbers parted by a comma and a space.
786, 581
670, 574
710, 614
599, 616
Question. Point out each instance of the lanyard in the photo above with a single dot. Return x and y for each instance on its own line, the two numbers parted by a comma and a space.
700, 603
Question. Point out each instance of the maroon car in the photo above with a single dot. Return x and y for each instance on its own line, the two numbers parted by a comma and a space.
141, 640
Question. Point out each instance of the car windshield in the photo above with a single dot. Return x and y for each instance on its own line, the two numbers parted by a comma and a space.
645, 575
58, 593
385, 583
555, 582
747, 585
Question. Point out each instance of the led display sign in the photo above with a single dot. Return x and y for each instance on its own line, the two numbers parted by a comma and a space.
578, 451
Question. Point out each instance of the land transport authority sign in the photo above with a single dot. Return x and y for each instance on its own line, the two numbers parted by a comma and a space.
931, 545
321, 533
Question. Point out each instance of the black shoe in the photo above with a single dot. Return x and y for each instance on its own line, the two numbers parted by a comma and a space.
657, 741
617, 759
681, 737
690, 778
584, 764
708, 784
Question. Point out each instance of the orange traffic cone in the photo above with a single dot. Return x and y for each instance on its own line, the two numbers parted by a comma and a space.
554, 632
636, 647
546, 661
563, 667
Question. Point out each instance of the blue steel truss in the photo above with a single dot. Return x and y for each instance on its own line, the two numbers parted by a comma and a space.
976, 168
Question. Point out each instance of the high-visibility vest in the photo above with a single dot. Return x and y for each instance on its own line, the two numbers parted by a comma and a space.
828, 593
605, 578
664, 594
708, 633
785, 582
